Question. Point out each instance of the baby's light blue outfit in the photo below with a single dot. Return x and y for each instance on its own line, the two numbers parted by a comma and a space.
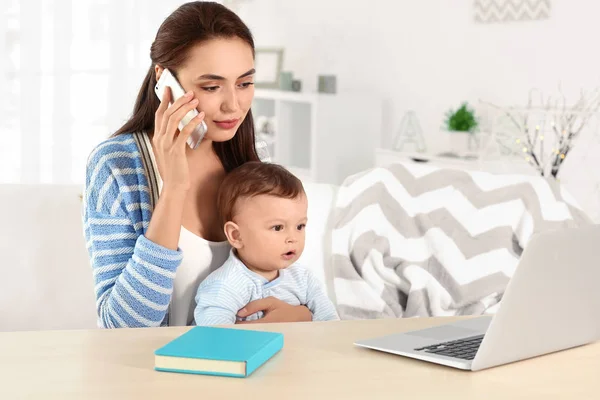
228, 289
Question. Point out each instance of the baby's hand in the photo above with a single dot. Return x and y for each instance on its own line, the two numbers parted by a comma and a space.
252, 317
272, 309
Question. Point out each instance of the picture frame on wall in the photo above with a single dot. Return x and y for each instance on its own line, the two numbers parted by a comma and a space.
268, 63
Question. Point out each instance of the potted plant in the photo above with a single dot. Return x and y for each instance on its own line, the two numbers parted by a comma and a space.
462, 126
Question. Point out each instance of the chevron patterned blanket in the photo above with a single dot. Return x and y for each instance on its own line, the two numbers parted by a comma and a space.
415, 240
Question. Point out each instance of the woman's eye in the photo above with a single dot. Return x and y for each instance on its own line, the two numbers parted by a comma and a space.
246, 84
277, 228
210, 88
301, 226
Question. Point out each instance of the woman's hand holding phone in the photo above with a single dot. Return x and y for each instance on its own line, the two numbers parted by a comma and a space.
169, 146
169, 143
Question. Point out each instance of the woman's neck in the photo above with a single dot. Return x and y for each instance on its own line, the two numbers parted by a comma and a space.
206, 174
204, 151
204, 164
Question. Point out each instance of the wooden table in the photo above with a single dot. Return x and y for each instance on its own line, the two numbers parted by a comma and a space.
318, 361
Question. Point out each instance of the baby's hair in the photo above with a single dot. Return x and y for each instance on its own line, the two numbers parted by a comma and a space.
255, 178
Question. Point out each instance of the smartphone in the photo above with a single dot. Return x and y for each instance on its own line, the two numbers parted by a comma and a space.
167, 79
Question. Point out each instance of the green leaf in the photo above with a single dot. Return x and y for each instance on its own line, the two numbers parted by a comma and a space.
461, 120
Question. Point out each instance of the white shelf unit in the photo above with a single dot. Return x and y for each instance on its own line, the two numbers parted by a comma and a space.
321, 137
512, 165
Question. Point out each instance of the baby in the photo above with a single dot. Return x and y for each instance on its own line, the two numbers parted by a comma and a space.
264, 210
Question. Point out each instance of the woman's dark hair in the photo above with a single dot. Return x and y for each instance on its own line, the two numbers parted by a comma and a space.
190, 24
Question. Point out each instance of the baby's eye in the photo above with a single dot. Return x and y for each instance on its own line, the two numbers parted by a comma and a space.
301, 226
277, 228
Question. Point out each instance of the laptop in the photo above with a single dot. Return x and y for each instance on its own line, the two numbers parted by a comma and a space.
551, 303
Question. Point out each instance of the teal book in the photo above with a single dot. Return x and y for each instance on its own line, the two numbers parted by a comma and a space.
218, 351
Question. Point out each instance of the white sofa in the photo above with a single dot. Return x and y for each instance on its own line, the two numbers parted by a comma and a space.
46, 275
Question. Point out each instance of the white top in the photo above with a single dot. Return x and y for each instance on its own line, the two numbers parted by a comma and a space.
201, 257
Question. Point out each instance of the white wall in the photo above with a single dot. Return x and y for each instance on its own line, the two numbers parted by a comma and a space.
430, 55
426, 55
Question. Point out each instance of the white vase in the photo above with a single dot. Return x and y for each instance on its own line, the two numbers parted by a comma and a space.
462, 143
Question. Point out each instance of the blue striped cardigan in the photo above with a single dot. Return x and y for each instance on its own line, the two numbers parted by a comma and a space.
133, 276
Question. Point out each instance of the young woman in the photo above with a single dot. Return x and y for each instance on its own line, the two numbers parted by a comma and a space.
150, 213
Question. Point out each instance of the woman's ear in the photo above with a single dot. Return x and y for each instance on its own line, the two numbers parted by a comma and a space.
232, 231
158, 71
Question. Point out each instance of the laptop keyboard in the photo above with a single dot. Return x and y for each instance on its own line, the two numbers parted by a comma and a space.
463, 348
